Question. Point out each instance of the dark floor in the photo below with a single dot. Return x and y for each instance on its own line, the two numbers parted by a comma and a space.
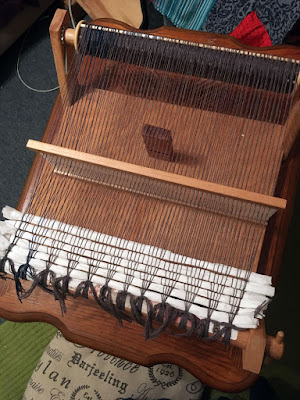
24, 114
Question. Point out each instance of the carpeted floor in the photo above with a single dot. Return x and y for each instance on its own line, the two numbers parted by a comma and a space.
23, 115
21, 346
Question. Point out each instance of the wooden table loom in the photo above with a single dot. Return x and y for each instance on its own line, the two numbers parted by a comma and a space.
231, 367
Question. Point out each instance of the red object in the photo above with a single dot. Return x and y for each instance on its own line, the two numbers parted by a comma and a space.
252, 32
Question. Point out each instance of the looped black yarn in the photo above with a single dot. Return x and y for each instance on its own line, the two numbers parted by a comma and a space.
227, 334
159, 311
162, 313
24, 268
83, 290
121, 299
40, 280
10, 262
185, 317
43, 276
136, 310
6, 259
120, 305
202, 328
224, 332
105, 298
19, 287
107, 304
60, 290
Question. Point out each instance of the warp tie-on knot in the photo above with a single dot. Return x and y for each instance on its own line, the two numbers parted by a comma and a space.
40, 280
6, 259
60, 290
202, 328
162, 313
24, 268
107, 304
185, 317
224, 332
120, 305
84, 288
136, 305
218, 331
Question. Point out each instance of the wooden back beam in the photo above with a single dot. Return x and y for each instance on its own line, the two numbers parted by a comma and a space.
210, 39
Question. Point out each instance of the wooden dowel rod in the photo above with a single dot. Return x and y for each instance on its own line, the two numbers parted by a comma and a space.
222, 42
70, 36
213, 188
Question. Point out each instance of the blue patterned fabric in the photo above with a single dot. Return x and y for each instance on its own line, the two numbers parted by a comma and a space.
278, 16
188, 14
223, 16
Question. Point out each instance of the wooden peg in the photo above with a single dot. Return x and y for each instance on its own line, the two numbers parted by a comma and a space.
274, 347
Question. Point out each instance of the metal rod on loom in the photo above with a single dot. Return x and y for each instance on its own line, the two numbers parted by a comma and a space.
71, 38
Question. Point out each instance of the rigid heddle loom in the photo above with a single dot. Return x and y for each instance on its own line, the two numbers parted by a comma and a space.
152, 191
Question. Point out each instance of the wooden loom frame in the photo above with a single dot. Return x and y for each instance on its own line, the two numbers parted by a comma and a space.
84, 323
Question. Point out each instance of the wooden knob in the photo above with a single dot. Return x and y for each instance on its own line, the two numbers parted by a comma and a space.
275, 346
72, 35
279, 337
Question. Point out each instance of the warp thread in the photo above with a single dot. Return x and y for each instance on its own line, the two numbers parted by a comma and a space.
185, 317
120, 304
25, 269
107, 304
4, 260
164, 314
60, 290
